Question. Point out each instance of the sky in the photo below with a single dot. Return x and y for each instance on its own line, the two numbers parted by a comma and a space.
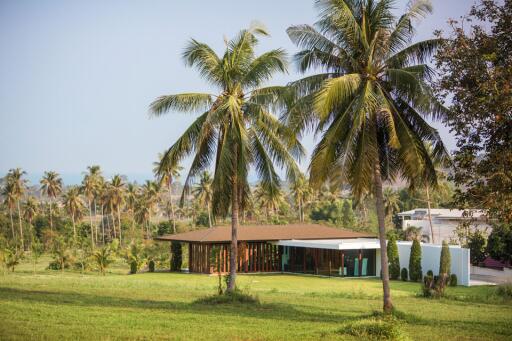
77, 77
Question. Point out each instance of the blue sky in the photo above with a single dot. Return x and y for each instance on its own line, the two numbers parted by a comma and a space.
76, 77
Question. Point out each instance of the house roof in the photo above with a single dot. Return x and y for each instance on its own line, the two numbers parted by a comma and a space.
445, 213
265, 233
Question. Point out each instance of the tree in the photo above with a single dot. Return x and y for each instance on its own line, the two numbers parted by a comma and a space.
176, 252
61, 253
444, 264
8, 192
236, 129
393, 257
117, 195
269, 198
476, 79
391, 202
371, 103
51, 186
203, 193
166, 173
37, 250
348, 219
135, 256
13, 257
477, 242
74, 206
415, 272
132, 193
499, 243
30, 209
103, 258
18, 186
301, 193
91, 185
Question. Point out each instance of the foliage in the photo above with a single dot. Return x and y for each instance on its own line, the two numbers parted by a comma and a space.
387, 328
477, 243
176, 260
164, 227
229, 297
62, 256
36, 251
12, 257
504, 291
337, 212
404, 274
453, 280
433, 287
151, 265
202, 219
393, 258
135, 257
445, 261
415, 272
476, 79
430, 273
499, 243
103, 258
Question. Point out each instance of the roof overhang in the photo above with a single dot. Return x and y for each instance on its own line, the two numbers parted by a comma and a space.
333, 244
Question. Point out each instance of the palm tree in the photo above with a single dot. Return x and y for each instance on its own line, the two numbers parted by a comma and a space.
148, 202
8, 192
74, 205
132, 192
15, 177
166, 173
117, 195
236, 128
90, 187
30, 209
300, 192
370, 103
51, 186
391, 202
203, 193
269, 199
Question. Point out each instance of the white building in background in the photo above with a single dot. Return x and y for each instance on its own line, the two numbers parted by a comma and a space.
444, 222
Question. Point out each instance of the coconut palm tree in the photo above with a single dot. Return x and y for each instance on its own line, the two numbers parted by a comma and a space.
236, 129
91, 185
132, 192
117, 195
391, 202
166, 173
371, 101
147, 203
30, 209
301, 193
74, 206
203, 193
8, 192
269, 199
15, 176
51, 186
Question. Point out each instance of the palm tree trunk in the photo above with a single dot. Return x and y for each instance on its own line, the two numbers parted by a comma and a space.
209, 216
51, 219
102, 226
74, 227
300, 211
12, 225
379, 200
21, 227
95, 214
172, 207
429, 214
90, 220
119, 224
234, 229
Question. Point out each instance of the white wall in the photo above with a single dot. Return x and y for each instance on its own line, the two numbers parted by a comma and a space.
431, 256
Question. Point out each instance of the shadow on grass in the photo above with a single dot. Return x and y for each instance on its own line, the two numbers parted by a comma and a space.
272, 311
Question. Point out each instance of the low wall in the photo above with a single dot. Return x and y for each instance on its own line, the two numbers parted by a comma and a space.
431, 256
500, 276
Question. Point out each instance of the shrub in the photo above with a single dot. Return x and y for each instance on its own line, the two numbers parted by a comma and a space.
430, 273
375, 329
445, 261
504, 291
393, 258
432, 287
404, 275
134, 267
134, 255
176, 258
235, 297
103, 258
415, 272
453, 280
151, 266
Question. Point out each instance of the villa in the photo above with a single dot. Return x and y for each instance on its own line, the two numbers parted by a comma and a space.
304, 248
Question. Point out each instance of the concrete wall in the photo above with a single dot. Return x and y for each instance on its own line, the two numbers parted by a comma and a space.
431, 256
498, 276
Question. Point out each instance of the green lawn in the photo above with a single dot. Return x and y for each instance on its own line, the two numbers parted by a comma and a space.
50, 305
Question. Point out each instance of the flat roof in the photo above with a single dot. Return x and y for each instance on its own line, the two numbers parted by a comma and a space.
446, 213
265, 233
334, 244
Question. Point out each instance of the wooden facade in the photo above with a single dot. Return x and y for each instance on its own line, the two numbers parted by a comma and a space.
252, 257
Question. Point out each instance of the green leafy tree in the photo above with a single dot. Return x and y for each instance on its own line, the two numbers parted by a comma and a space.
36, 250
135, 256
415, 271
499, 243
371, 103
61, 253
236, 129
393, 257
477, 242
103, 258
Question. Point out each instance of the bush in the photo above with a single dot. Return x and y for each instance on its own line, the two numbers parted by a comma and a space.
134, 267
176, 259
415, 272
375, 329
404, 275
235, 297
453, 280
393, 258
151, 266
504, 291
430, 273
432, 287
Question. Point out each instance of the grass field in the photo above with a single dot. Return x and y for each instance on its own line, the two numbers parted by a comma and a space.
50, 305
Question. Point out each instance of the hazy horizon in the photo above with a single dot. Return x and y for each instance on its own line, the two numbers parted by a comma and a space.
77, 77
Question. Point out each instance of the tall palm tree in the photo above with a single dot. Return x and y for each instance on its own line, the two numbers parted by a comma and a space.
203, 193
391, 202
270, 199
74, 206
166, 173
9, 194
371, 101
90, 187
15, 176
149, 199
301, 193
51, 186
30, 209
236, 129
132, 192
117, 195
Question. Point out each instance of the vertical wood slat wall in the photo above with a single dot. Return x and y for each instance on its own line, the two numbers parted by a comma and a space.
252, 257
